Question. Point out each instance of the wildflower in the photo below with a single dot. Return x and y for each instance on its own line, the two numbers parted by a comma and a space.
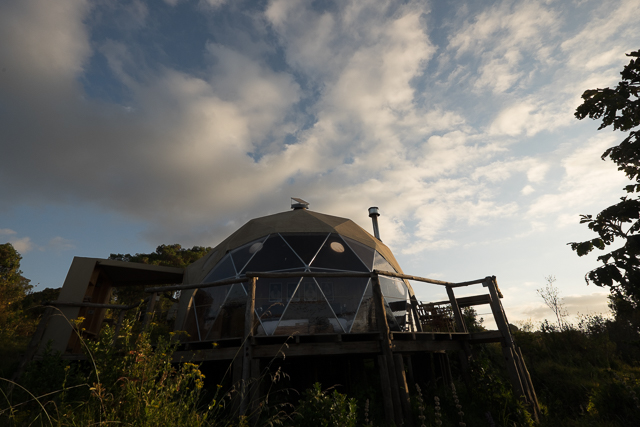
366, 412
421, 417
458, 405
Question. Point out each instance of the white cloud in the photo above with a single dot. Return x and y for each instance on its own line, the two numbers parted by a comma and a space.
594, 303
20, 244
59, 244
587, 179
336, 103
500, 36
527, 189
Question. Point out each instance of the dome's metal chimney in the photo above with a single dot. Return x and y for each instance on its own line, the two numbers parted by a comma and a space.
374, 214
297, 203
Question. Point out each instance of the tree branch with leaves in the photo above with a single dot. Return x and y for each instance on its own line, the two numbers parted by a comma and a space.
619, 108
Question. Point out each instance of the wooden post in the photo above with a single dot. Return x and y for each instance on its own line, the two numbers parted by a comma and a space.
118, 326
385, 344
498, 313
405, 400
409, 362
465, 355
527, 378
255, 395
416, 313
148, 315
387, 398
457, 314
32, 349
507, 340
249, 319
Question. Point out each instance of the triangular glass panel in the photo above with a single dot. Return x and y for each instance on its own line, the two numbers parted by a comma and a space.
392, 321
191, 326
365, 320
230, 320
274, 255
271, 300
393, 288
223, 270
379, 263
365, 253
305, 245
336, 254
243, 254
396, 294
208, 302
344, 295
308, 313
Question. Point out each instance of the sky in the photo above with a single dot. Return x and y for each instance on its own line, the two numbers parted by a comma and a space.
129, 124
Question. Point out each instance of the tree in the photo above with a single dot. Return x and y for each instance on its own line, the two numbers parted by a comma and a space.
618, 107
13, 288
551, 296
166, 255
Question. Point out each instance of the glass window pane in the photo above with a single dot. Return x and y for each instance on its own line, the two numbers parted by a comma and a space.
344, 296
379, 263
365, 253
243, 254
365, 320
393, 288
223, 270
305, 245
230, 320
208, 302
269, 311
274, 255
336, 254
310, 314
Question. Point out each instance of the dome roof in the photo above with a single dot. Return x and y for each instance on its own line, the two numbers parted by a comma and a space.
294, 221
295, 241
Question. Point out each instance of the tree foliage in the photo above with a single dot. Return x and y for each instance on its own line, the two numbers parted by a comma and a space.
618, 107
13, 288
165, 255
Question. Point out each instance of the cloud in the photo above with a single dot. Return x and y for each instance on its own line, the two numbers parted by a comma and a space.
587, 180
349, 104
60, 244
22, 244
595, 303
501, 37
527, 189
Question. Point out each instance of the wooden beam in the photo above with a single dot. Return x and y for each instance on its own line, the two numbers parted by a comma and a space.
249, 320
287, 274
316, 349
457, 314
387, 397
498, 312
196, 286
385, 346
148, 314
485, 337
405, 400
425, 280
90, 305
406, 347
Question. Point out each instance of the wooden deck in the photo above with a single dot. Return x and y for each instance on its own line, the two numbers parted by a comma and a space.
269, 347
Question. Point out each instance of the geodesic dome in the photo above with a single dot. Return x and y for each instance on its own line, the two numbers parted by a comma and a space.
298, 240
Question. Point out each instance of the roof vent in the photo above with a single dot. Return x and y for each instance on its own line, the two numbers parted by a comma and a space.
297, 203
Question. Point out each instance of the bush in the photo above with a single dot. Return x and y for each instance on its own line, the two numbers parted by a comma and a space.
319, 408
